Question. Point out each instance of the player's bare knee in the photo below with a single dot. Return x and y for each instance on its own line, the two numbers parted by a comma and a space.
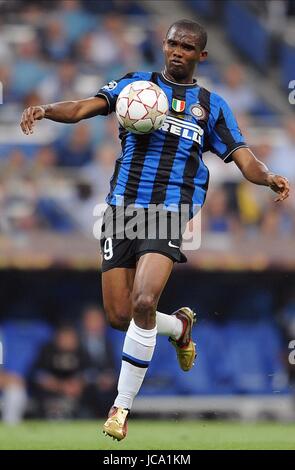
144, 306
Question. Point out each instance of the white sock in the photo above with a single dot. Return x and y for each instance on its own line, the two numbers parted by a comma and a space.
138, 350
169, 325
14, 401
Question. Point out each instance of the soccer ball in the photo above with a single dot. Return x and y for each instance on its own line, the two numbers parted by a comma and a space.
142, 107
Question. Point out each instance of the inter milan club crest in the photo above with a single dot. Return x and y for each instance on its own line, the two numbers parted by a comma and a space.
178, 105
198, 111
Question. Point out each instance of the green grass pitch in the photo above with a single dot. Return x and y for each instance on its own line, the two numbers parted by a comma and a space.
149, 435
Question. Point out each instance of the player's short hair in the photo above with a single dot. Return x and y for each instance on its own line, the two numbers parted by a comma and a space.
193, 27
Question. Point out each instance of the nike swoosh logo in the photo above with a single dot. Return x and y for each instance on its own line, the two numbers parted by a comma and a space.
172, 246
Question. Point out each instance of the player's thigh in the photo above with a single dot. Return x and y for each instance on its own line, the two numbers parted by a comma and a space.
152, 273
117, 285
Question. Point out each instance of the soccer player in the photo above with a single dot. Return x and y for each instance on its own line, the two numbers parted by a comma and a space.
164, 167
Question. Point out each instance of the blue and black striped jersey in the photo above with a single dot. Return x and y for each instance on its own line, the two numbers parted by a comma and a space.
166, 166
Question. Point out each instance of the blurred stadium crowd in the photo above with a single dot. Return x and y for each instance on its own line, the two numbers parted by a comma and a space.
53, 51
57, 374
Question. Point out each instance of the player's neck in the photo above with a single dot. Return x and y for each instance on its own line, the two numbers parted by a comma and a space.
184, 81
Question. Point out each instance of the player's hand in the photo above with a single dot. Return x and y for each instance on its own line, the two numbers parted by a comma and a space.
279, 184
30, 115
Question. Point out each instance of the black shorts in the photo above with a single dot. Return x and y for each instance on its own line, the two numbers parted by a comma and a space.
125, 239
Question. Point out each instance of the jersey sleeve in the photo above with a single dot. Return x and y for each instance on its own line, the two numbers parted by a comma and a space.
225, 136
112, 90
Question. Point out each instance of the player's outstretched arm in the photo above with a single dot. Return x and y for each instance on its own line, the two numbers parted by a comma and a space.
65, 111
257, 172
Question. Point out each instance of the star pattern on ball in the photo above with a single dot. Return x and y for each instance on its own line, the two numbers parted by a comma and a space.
133, 95
157, 92
153, 112
129, 122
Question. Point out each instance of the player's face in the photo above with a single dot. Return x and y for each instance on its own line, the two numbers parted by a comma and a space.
182, 52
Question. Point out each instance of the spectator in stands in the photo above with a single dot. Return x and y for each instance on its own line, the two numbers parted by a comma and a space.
218, 219
31, 14
45, 160
74, 18
6, 50
14, 397
61, 85
104, 51
278, 223
100, 378
15, 164
249, 206
80, 204
18, 205
77, 150
28, 70
59, 375
55, 44
238, 93
282, 158
109, 46
255, 206
99, 172
9, 94
22, 337
83, 49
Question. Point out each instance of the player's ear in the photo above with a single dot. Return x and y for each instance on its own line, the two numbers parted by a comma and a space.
203, 56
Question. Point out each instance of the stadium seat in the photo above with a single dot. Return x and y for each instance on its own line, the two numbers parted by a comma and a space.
253, 349
257, 306
21, 342
212, 349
